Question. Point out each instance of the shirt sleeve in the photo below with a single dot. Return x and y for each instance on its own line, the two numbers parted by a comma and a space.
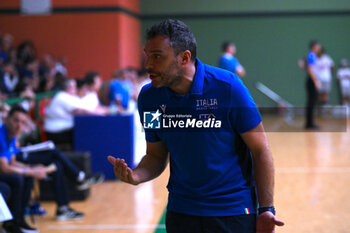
6, 151
151, 136
72, 103
311, 59
244, 112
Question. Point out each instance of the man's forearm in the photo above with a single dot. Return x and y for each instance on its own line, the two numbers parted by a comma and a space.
264, 175
312, 74
150, 167
17, 164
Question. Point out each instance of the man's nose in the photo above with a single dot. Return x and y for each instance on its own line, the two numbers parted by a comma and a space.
148, 64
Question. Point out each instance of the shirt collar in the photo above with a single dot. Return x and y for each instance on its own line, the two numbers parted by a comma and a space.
228, 55
198, 80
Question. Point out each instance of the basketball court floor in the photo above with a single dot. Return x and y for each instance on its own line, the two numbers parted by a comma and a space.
311, 191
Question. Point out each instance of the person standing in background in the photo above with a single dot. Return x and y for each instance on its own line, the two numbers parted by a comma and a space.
228, 61
324, 67
312, 84
343, 76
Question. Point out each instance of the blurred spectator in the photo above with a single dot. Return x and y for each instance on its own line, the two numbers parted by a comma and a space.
9, 79
324, 66
82, 88
29, 98
118, 93
59, 114
93, 84
46, 75
343, 76
30, 75
130, 82
228, 60
26, 53
60, 66
4, 109
6, 47
58, 81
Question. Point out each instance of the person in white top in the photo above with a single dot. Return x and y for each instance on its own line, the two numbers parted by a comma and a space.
323, 68
93, 83
59, 114
343, 76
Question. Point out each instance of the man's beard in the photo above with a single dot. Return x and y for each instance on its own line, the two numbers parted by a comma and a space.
170, 79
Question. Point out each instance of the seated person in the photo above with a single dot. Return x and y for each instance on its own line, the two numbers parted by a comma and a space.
93, 83
59, 114
19, 170
9, 79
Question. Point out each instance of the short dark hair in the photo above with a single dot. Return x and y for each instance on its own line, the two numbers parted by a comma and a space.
89, 77
180, 36
312, 43
66, 84
80, 82
225, 45
16, 108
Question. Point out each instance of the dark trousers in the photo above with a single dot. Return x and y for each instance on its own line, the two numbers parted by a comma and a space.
63, 165
182, 223
5, 190
20, 193
65, 137
311, 102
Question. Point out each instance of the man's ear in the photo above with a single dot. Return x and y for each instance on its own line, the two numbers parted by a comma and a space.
185, 57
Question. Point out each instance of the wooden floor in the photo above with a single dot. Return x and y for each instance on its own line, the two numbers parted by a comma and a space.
312, 192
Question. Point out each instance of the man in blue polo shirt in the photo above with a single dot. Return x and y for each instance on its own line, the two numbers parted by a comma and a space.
228, 61
203, 120
312, 84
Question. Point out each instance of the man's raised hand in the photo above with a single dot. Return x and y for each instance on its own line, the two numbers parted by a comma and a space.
122, 171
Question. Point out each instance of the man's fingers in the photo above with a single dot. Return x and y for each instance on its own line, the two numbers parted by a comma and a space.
119, 166
124, 170
278, 222
111, 159
121, 169
133, 179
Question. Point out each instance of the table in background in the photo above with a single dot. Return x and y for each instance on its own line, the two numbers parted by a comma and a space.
103, 136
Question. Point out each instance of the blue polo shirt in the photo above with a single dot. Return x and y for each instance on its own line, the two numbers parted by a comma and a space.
210, 167
229, 62
117, 91
7, 145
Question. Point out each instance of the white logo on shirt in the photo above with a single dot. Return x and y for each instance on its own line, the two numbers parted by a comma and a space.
203, 104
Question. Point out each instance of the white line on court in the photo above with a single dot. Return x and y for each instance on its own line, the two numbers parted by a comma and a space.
313, 170
130, 226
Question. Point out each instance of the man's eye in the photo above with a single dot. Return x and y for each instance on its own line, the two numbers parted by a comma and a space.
156, 56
